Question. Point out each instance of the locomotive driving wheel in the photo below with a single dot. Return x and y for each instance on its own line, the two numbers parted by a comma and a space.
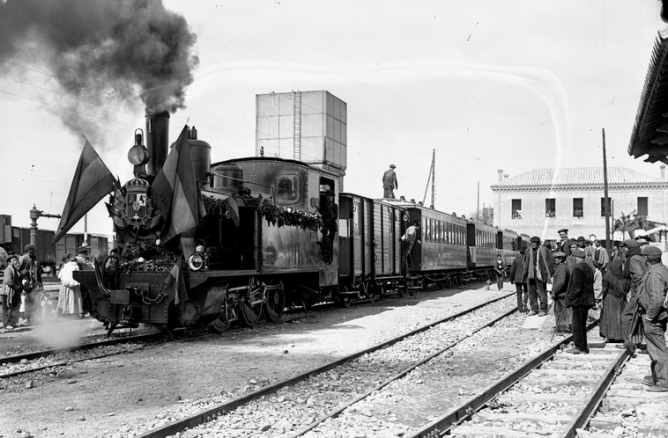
250, 308
274, 302
345, 299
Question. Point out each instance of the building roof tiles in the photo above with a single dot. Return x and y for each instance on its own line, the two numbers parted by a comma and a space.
579, 176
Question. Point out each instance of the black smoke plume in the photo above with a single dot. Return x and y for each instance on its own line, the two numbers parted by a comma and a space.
98, 48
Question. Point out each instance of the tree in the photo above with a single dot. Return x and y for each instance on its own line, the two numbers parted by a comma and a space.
630, 223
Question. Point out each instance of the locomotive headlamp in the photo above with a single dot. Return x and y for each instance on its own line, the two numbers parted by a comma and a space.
196, 262
138, 154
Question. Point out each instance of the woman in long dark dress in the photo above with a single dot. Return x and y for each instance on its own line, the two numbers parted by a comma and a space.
614, 300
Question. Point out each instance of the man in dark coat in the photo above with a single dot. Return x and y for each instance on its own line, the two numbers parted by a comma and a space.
499, 269
560, 280
563, 245
538, 269
390, 182
652, 300
635, 267
580, 298
30, 272
516, 271
11, 292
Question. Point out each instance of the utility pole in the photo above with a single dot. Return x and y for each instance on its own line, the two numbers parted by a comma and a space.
433, 179
34, 215
477, 207
606, 201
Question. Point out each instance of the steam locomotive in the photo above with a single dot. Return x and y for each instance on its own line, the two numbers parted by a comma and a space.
277, 232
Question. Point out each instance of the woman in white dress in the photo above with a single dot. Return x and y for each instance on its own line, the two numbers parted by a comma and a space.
69, 297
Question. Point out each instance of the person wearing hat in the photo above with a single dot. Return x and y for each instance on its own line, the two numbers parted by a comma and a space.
11, 292
614, 298
601, 256
390, 182
562, 244
31, 272
516, 271
635, 267
538, 270
560, 280
580, 298
499, 269
652, 306
642, 241
595, 312
83, 260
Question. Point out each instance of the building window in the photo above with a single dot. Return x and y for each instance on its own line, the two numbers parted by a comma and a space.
517, 209
642, 207
550, 208
609, 207
578, 209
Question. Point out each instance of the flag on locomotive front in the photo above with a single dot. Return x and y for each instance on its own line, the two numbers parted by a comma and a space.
175, 192
92, 182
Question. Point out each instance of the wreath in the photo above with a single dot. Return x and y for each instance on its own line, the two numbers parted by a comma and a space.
131, 259
286, 216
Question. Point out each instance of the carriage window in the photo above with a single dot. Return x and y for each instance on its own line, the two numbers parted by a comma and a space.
287, 188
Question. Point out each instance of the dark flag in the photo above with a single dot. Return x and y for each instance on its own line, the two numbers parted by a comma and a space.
177, 284
175, 191
92, 182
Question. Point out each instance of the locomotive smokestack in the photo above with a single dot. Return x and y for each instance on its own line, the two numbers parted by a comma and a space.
157, 141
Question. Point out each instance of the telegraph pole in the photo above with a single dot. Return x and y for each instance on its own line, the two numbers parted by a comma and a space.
606, 201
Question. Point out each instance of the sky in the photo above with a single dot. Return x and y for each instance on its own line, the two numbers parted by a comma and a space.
516, 85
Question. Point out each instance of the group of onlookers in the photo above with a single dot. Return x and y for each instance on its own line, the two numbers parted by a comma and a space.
22, 284
625, 289
22, 279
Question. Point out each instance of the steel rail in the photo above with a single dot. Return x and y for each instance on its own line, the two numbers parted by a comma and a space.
108, 342
399, 375
581, 418
211, 413
441, 425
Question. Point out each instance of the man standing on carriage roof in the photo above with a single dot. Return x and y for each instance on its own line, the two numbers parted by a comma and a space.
390, 182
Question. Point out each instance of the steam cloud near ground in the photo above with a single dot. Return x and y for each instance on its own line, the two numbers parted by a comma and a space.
97, 49
57, 333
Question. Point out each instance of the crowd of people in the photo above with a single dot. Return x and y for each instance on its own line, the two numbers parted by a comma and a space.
21, 294
624, 289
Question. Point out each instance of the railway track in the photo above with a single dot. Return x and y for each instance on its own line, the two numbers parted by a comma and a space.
323, 393
44, 359
558, 394
628, 408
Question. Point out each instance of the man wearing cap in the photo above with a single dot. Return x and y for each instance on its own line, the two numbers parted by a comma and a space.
390, 182
538, 269
516, 272
31, 273
580, 297
642, 241
83, 260
562, 245
635, 267
560, 280
10, 294
652, 306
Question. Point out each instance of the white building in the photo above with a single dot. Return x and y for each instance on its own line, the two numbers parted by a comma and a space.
542, 201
